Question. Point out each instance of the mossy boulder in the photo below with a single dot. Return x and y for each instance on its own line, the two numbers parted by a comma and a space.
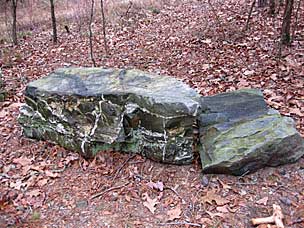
92, 109
240, 134
2, 90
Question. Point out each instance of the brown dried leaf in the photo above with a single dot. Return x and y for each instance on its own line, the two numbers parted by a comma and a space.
213, 196
174, 213
296, 111
262, 201
158, 185
212, 215
42, 182
223, 209
34, 193
51, 174
22, 161
150, 203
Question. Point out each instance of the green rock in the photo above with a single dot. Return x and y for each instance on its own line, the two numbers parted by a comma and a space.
240, 134
93, 109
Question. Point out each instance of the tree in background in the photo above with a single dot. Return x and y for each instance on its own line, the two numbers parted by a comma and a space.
91, 33
272, 7
14, 25
104, 26
285, 34
53, 21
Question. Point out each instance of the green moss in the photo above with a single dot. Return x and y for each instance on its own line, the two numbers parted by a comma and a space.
36, 215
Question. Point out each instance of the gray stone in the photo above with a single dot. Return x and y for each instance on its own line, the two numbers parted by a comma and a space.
93, 109
240, 134
2, 90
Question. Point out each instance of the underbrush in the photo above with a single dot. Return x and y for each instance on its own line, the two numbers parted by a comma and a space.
33, 15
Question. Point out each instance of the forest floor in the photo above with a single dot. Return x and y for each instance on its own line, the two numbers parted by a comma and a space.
44, 185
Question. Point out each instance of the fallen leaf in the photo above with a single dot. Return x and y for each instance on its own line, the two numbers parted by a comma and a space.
296, 111
213, 196
263, 201
34, 193
212, 215
225, 186
17, 185
248, 72
174, 213
51, 174
150, 203
42, 182
207, 41
223, 209
22, 161
158, 185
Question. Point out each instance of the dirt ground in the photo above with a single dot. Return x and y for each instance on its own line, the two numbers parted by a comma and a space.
202, 44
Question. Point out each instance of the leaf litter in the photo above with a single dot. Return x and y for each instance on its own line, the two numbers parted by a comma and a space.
190, 41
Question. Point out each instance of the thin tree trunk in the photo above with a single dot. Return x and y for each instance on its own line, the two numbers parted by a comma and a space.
14, 26
296, 21
53, 21
272, 7
285, 35
262, 3
104, 27
249, 15
91, 33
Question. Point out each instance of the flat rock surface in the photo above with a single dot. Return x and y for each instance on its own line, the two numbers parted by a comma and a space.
94, 109
240, 134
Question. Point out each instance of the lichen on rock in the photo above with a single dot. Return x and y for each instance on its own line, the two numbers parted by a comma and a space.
240, 134
94, 109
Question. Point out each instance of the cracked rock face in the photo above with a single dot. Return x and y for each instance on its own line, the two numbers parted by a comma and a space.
240, 134
92, 109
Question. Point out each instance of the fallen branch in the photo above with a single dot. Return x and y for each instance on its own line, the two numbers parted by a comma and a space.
276, 218
122, 165
174, 191
180, 223
108, 190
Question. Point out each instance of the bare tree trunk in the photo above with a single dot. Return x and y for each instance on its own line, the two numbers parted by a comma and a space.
262, 3
104, 27
249, 15
285, 35
14, 26
53, 22
91, 33
272, 7
296, 21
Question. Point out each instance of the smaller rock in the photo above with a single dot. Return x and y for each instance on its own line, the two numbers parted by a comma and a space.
240, 134
285, 201
205, 181
82, 203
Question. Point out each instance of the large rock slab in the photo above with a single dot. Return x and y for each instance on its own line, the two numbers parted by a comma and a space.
2, 90
93, 109
240, 134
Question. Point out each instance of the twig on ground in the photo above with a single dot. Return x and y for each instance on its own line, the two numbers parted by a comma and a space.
60, 170
174, 191
122, 165
180, 223
108, 190
300, 220
276, 218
